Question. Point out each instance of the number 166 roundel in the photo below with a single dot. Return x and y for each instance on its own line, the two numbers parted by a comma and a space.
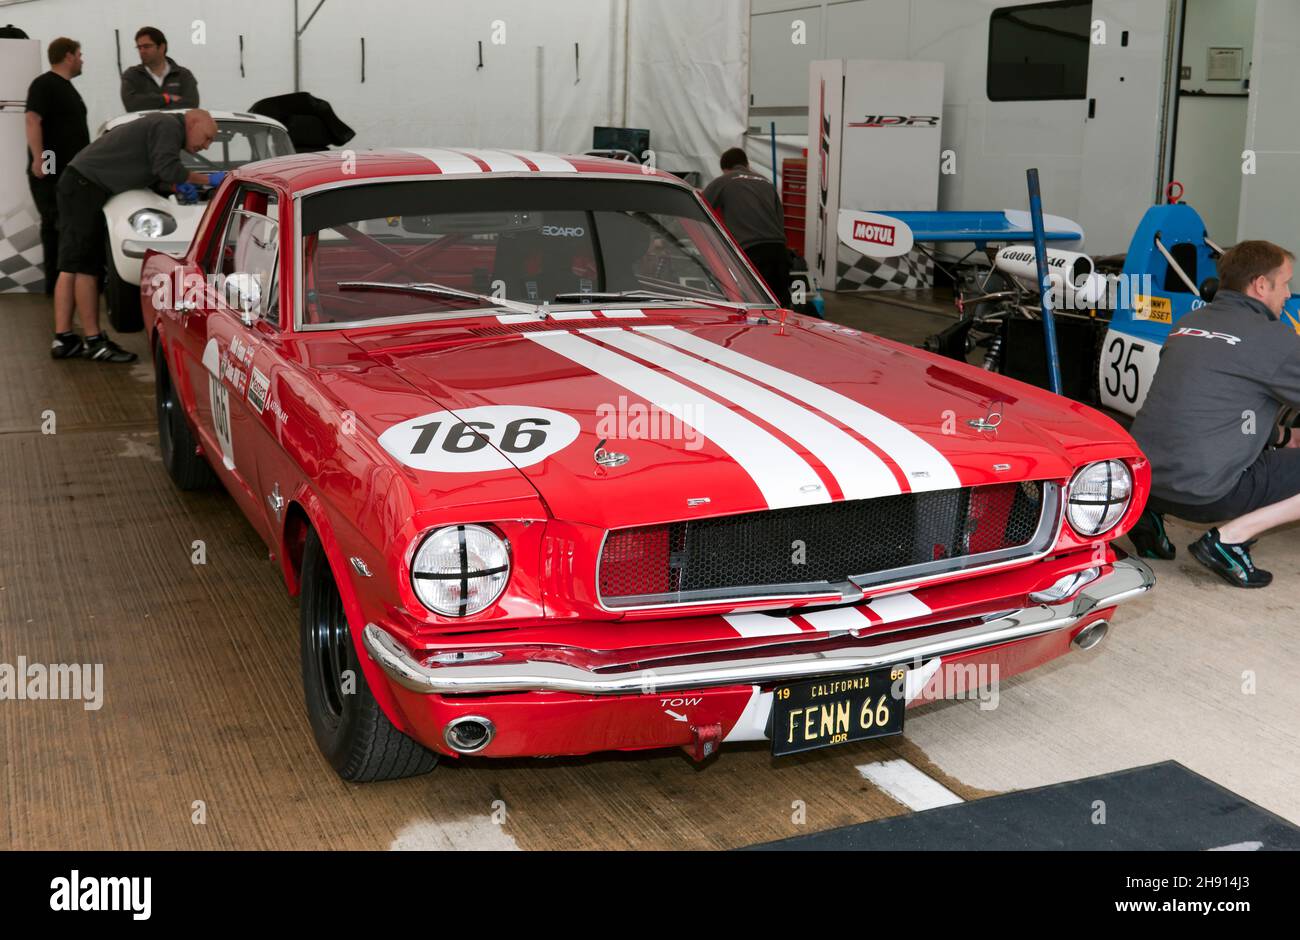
474, 440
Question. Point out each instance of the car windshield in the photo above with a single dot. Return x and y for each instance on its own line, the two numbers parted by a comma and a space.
238, 143
514, 241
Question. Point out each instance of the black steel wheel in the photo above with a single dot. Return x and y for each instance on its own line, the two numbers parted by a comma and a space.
350, 728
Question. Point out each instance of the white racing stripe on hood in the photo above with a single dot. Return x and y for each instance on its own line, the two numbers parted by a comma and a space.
781, 475
859, 472
499, 161
449, 161
546, 162
924, 466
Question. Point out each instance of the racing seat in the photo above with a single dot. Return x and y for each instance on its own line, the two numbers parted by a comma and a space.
536, 267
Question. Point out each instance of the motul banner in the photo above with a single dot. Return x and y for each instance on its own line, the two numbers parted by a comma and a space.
874, 145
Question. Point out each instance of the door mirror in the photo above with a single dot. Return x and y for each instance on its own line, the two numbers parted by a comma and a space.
244, 293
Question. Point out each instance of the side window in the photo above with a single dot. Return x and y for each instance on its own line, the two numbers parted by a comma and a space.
1039, 52
248, 252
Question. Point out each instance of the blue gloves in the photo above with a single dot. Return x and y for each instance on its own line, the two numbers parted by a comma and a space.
214, 179
187, 194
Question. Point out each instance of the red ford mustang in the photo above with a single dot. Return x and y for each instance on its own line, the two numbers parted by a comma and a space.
552, 474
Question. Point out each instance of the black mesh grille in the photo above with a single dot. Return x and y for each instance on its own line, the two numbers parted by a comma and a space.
813, 544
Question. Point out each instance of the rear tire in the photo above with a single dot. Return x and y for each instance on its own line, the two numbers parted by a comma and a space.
180, 452
123, 299
350, 728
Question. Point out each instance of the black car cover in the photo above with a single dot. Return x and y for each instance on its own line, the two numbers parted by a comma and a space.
311, 122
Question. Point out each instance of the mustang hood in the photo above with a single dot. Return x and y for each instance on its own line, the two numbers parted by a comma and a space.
638, 420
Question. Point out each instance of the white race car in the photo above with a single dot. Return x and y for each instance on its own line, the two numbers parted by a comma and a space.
141, 219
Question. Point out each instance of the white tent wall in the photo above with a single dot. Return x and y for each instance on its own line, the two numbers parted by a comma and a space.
687, 80
423, 85
1270, 198
268, 45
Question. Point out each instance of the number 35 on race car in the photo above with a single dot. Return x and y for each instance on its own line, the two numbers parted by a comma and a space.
1127, 367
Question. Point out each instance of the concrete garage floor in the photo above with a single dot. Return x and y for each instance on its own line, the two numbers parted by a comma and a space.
201, 741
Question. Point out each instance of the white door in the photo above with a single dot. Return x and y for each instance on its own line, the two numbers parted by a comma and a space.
1121, 139
1270, 198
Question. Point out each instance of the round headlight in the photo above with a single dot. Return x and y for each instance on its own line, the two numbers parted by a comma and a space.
1099, 495
460, 570
152, 223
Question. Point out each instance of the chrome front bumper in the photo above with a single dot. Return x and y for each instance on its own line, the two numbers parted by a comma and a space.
1127, 579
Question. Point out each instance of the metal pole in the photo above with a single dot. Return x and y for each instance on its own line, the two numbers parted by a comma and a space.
776, 177
1044, 282
297, 42
541, 98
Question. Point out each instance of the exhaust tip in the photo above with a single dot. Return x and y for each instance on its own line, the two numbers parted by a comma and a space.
469, 734
1091, 635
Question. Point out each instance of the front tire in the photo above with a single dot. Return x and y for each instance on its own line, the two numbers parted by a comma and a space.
123, 298
180, 452
350, 728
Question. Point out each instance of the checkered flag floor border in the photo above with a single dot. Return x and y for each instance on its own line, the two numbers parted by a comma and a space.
20, 251
855, 271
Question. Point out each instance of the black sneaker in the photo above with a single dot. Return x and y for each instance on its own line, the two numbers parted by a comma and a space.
67, 346
1149, 537
1230, 562
102, 349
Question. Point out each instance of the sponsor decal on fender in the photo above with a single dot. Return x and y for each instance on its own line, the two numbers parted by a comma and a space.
475, 440
258, 386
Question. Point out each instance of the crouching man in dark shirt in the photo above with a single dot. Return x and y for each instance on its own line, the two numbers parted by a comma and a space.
1226, 373
141, 153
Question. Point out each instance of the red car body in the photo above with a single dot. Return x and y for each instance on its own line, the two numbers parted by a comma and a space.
796, 421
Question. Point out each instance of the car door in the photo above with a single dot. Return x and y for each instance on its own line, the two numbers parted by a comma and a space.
227, 332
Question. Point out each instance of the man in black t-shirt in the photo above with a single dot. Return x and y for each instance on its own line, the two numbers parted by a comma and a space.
56, 131
751, 210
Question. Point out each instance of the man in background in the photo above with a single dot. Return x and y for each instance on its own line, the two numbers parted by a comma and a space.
141, 153
750, 208
157, 82
56, 132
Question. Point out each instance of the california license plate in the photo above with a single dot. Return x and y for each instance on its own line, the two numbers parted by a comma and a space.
836, 710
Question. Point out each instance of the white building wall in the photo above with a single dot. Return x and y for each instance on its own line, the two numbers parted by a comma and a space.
1270, 198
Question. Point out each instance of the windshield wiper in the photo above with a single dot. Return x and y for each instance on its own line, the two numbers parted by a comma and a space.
647, 295
440, 290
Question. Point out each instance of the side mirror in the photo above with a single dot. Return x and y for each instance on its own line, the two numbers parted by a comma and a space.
244, 293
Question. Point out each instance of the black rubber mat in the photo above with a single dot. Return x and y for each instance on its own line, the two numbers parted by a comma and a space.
1163, 807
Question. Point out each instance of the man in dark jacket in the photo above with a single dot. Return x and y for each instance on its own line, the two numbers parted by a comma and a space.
56, 132
140, 153
1226, 373
751, 210
157, 82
